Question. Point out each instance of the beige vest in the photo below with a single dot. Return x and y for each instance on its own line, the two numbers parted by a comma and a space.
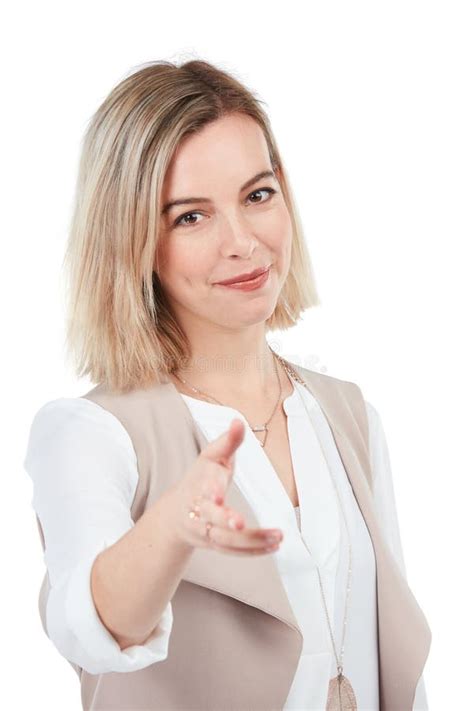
235, 642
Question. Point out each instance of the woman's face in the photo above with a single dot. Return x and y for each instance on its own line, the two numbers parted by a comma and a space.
225, 229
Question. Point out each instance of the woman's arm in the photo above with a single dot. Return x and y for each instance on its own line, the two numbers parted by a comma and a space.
84, 471
134, 580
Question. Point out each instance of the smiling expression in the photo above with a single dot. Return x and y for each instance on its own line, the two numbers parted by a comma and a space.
223, 215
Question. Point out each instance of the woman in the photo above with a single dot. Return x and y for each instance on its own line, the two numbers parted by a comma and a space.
219, 523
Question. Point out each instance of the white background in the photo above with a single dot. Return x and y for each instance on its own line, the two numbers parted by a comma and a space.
372, 107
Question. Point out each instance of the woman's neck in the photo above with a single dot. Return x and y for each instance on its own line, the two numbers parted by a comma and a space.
234, 389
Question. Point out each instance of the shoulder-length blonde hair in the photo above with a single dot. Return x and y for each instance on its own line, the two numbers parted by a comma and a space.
120, 329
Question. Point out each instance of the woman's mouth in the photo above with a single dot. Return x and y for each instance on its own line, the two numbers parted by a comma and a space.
249, 285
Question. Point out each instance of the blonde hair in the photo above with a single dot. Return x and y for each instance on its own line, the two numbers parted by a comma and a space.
120, 329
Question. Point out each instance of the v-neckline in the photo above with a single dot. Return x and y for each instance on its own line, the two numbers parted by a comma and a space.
213, 412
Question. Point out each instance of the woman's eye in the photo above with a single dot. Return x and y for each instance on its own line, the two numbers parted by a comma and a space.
182, 221
271, 191
183, 217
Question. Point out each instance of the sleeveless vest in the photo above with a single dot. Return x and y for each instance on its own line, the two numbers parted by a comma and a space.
235, 642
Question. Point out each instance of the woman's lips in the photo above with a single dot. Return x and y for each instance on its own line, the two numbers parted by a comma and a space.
243, 277
249, 285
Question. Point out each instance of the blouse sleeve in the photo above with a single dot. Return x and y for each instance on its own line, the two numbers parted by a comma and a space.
84, 471
386, 511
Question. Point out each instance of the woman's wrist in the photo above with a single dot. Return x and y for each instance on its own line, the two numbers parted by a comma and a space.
169, 510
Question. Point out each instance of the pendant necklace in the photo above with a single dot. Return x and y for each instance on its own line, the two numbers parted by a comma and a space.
257, 428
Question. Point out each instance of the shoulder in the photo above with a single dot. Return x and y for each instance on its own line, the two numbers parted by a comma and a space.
346, 392
75, 420
349, 390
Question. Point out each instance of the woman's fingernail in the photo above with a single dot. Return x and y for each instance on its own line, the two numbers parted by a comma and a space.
232, 523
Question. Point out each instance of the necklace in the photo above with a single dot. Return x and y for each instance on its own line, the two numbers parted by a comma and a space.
341, 696
257, 428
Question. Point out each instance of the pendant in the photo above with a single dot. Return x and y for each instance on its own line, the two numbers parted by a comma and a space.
261, 428
341, 695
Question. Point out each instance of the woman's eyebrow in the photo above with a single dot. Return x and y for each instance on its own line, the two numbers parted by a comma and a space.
187, 201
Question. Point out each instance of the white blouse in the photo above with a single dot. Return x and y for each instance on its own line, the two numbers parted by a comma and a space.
84, 471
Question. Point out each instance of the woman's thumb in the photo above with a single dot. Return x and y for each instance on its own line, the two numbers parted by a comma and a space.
222, 449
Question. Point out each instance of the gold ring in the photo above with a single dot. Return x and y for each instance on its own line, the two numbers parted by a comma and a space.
195, 511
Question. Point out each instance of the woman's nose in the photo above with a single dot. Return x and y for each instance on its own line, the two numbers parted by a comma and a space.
236, 238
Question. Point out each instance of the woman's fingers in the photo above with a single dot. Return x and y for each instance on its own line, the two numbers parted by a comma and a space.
226, 534
205, 520
249, 542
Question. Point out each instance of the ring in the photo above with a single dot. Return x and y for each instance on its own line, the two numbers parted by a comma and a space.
195, 512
